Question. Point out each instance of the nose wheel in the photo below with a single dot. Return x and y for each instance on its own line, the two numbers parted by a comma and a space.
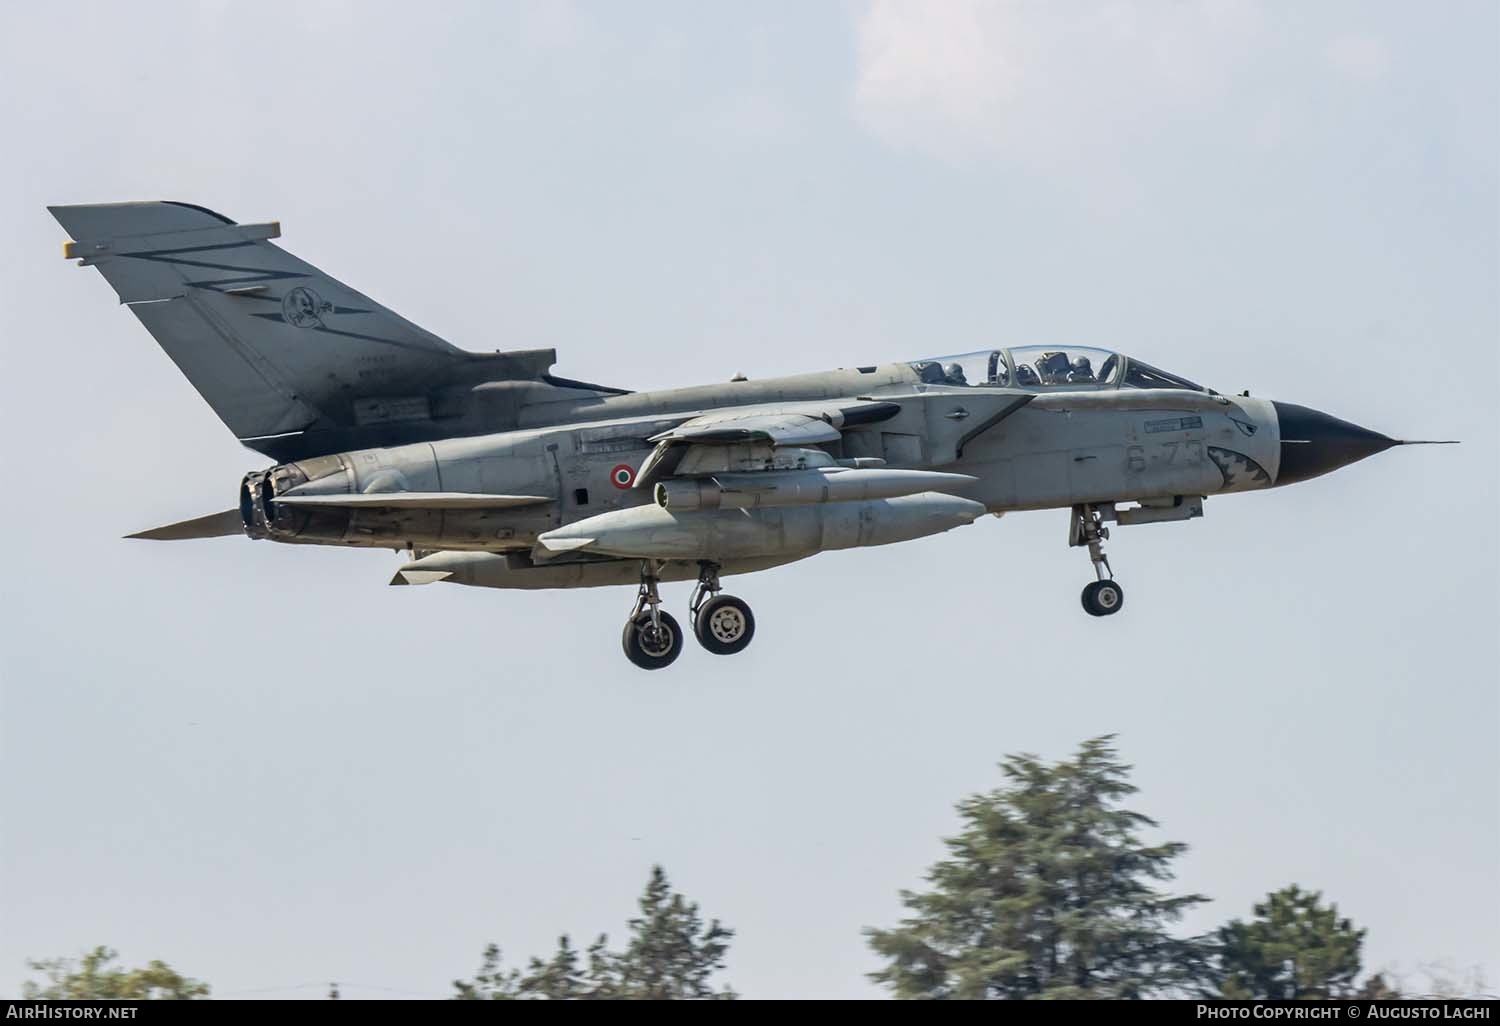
723, 624
652, 638
1104, 596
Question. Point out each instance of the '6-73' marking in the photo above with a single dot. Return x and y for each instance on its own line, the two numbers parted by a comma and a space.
1172, 453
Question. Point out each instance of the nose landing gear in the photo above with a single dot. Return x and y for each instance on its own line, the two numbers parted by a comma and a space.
1103, 597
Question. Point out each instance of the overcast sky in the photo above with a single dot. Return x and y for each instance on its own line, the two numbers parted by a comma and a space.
263, 765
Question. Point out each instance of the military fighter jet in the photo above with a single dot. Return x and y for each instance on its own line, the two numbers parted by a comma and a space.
489, 470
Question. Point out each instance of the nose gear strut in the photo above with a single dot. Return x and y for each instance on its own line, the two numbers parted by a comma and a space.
1086, 527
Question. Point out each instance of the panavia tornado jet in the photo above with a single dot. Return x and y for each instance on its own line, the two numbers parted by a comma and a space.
489, 470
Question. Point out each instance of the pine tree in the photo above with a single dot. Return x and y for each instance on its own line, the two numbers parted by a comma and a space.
491, 983
1295, 948
671, 954
92, 979
1047, 892
558, 978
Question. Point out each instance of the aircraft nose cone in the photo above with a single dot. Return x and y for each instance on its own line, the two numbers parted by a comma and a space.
1314, 443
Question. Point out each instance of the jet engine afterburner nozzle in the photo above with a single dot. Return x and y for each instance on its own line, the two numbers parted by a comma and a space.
264, 517
252, 514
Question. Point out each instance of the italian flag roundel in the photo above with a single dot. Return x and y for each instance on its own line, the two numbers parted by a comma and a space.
622, 476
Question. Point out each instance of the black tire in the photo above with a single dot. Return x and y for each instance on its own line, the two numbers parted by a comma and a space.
1103, 598
647, 651
724, 625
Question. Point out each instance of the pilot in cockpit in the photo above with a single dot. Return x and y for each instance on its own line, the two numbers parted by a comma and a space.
1054, 368
953, 374
1082, 372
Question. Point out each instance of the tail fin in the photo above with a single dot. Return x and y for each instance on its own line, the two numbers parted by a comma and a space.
275, 346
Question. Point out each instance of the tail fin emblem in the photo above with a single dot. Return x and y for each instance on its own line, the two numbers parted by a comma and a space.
304, 308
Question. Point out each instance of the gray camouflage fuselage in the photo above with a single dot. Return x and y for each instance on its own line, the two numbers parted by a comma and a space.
1027, 450
492, 471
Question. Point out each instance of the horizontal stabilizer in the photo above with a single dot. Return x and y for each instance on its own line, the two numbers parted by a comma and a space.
412, 500
215, 525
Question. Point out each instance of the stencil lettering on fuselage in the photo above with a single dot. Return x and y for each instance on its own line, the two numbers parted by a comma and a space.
1173, 424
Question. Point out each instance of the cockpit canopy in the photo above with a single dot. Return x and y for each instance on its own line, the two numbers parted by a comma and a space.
1046, 367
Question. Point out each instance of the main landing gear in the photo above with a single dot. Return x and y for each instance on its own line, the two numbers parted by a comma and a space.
724, 624
652, 638
1104, 596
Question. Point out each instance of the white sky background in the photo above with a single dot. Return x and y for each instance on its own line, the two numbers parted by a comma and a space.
263, 765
